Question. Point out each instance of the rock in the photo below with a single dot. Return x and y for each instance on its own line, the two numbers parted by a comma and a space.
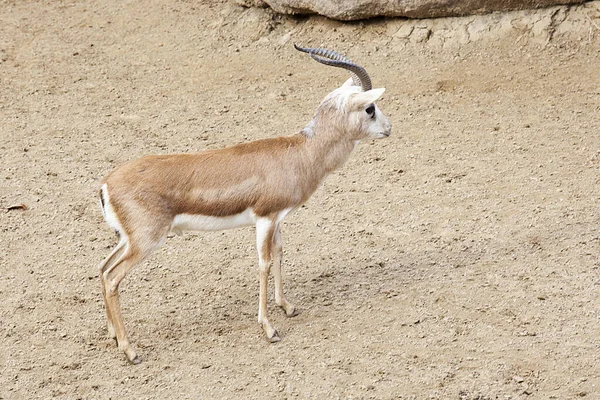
347, 10
251, 3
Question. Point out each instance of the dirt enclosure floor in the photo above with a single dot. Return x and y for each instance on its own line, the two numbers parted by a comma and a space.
457, 259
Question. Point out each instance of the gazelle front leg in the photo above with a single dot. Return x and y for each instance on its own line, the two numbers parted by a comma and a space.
290, 309
265, 229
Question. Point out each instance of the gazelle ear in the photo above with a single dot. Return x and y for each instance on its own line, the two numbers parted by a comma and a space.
368, 97
349, 82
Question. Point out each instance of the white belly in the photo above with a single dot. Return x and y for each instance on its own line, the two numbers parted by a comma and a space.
190, 222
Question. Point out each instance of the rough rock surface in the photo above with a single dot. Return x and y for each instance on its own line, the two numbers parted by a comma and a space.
347, 10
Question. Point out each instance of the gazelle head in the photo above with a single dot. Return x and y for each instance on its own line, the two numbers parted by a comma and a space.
351, 108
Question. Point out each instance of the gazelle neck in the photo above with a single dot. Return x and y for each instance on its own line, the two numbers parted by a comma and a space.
329, 147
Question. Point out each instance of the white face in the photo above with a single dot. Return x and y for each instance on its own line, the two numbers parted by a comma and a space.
376, 125
365, 118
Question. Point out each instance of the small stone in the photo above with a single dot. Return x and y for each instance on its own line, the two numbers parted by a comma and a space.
518, 379
404, 31
420, 34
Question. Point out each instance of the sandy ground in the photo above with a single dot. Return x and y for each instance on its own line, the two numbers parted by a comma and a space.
457, 259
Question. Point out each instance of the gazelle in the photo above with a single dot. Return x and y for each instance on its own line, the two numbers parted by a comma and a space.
257, 183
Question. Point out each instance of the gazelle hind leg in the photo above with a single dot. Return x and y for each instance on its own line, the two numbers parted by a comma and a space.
135, 252
289, 308
107, 264
113, 278
265, 228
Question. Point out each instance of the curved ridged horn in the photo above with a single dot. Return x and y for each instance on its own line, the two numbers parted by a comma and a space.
329, 57
333, 55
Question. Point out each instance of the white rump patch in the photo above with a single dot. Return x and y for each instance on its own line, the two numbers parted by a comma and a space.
109, 213
190, 222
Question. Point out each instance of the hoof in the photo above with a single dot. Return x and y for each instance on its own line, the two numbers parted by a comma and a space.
293, 313
274, 338
132, 356
289, 309
135, 361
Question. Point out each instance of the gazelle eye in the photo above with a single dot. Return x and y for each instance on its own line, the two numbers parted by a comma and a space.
371, 110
